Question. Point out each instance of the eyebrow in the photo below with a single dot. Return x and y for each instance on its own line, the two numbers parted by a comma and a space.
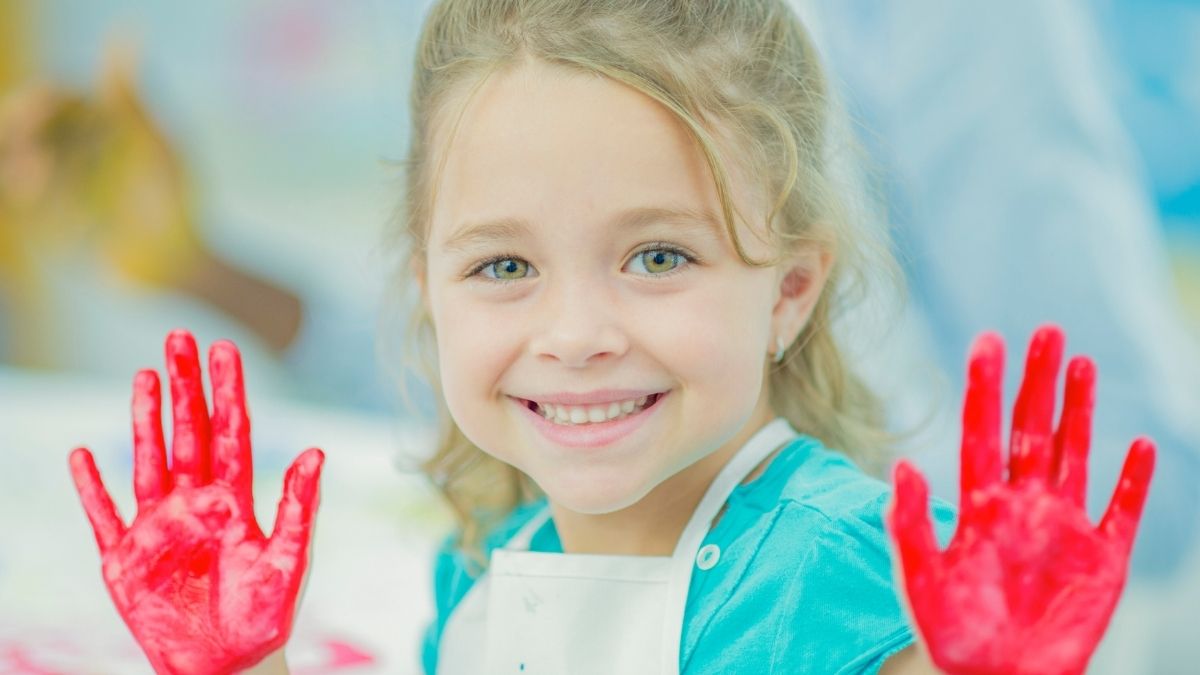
473, 234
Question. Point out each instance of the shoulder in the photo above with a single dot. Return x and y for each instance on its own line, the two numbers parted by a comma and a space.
825, 559
819, 490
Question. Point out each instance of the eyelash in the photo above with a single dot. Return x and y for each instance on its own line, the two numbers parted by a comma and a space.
658, 246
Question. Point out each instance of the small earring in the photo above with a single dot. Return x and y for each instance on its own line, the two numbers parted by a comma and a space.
778, 349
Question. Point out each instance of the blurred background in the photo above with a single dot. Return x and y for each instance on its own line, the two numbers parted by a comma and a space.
229, 168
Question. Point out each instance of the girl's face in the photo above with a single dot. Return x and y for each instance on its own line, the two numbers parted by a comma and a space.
571, 272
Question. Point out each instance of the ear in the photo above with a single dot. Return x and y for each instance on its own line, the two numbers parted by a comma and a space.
800, 281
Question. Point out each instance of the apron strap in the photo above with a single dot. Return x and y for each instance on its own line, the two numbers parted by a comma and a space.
764, 441
761, 444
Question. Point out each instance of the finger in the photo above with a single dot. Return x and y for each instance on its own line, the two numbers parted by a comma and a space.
1125, 510
1031, 443
151, 481
910, 526
190, 442
232, 463
980, 451
101, 512
293, 519
1074, 434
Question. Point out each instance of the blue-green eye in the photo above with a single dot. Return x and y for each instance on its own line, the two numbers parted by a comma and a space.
505, 269
659, 260
509, 268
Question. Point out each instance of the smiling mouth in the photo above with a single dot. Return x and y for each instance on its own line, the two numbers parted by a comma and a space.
572, 415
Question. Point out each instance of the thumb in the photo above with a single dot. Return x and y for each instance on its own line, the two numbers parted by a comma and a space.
1121, 518
297, 506
915, 552
101, 512
908, 521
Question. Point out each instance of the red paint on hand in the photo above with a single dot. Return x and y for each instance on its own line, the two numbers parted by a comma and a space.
199, 585
1027, 584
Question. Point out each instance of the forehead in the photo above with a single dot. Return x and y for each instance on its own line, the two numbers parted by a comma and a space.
545, 145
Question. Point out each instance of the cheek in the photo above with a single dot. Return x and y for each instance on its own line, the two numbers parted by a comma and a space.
474, 346
713, 337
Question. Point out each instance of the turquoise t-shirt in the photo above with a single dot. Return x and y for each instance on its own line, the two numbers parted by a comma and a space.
802, 584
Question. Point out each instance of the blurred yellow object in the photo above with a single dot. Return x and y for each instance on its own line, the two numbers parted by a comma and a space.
94, 177
97, 171
1185, 267
14, 51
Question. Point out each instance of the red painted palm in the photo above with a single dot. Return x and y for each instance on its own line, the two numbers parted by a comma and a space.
199, 585
1027, 584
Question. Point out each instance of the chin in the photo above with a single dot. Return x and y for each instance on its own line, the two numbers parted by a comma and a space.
594, 496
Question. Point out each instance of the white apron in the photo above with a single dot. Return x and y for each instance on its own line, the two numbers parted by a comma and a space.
569, 614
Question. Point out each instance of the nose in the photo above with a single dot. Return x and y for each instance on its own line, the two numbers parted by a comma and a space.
581, 326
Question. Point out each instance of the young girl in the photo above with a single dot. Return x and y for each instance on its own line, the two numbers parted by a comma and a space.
628, 248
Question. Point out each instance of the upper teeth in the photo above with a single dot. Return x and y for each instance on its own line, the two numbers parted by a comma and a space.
569, 414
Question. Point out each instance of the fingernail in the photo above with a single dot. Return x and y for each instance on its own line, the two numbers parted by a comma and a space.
146, 380
181, 351
1081, 367
78, 458
987, 354
1144, 445
310, 466
1047, 340
222, 358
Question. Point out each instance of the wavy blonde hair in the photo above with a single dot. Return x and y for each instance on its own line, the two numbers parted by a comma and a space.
749, 67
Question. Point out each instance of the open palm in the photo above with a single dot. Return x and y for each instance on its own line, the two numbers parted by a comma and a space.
1027, 584
199, 585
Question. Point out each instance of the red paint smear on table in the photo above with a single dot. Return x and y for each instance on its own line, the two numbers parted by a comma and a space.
16, 661
339, 656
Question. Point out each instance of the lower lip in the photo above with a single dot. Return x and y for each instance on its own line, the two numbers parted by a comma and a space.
593, 435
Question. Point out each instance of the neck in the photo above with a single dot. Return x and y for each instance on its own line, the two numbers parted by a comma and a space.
653, 525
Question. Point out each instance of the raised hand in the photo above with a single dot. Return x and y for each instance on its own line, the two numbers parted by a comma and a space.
1027, 584
200, 587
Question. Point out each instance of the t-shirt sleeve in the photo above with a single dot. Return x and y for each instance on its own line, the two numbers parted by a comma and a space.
847, 613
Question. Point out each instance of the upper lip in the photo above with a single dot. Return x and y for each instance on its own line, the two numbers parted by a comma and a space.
592, 397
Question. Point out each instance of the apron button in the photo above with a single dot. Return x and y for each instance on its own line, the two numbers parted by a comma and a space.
708, 556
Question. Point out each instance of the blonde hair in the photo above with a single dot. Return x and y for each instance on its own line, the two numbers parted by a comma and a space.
747, 64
